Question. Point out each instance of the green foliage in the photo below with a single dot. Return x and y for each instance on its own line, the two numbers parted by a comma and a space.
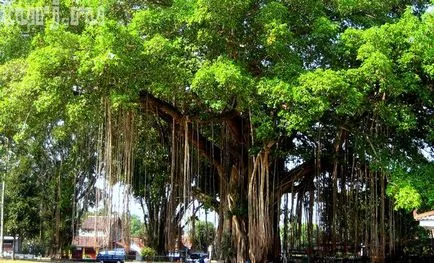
136, 227
21, 198
220, 13
204, 235
318, 92
151, 177
33, 247
148, 252
220, 84
13, 44
303, 233
412, 187
406, 197
288, 67
421, 244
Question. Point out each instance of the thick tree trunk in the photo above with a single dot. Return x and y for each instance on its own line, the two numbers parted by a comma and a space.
231, 236
260, 205
235, 204
249, 211
254, 235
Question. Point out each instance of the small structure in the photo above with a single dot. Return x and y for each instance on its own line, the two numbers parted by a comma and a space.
426, 220
10, 245
95, 233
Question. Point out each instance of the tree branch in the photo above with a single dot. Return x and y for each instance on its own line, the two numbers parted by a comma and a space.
168, 113
287, 178
205, 198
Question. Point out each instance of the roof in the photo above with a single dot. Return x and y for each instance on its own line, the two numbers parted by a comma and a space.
423, 216
99, 223
85, 241
426, 220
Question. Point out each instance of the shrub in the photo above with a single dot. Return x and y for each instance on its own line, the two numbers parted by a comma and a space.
148, 252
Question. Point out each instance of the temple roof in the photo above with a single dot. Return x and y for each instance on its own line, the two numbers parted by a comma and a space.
424, 216
426, 220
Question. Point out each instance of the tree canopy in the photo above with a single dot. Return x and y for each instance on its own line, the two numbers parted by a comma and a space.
344, 88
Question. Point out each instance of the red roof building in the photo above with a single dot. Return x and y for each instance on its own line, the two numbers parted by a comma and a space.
95, 233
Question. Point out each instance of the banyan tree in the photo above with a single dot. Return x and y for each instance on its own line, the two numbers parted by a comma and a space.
318, 114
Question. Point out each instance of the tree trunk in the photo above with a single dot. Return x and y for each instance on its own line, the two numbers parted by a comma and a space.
310, 223
285, 224
13, 247
260, 209
246, 202
171, 225
262, 221
382, 217
57, 233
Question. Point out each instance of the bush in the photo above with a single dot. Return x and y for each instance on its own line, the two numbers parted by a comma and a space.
33, 247
148, 252
203, 235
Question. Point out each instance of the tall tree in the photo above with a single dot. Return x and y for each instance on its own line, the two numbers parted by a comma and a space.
244, 85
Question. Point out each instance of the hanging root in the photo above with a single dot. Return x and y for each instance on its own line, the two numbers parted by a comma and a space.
259, 205
115, 157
